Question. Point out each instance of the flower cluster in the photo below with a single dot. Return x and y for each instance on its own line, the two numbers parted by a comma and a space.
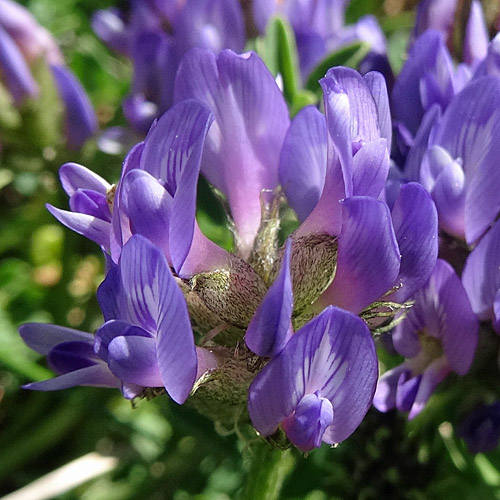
278, 332
448, 125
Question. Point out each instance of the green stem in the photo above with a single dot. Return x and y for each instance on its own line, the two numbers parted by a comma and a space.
269, 468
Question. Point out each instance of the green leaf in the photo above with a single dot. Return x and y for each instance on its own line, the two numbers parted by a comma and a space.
278, 50
350, 55
267, 48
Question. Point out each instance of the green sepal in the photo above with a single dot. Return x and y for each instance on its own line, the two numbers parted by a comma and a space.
349, 55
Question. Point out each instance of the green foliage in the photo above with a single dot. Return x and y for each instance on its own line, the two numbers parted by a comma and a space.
350, 55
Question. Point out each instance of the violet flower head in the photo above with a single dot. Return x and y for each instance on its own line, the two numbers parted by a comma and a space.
439, 336
166, 279
24, 47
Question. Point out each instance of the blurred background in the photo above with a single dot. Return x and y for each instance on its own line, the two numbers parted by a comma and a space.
157, 449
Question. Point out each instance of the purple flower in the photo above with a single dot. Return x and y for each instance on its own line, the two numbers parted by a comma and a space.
321, 385
156, 36
249, 112
438, 336
333, 169
146, 340
459, 168
427, 78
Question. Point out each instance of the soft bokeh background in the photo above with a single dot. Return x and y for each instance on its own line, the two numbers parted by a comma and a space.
49, 274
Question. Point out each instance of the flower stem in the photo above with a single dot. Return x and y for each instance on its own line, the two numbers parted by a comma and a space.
269, 468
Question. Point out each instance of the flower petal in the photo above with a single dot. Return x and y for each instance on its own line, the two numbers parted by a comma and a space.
368, 255
364, 120
370, 168
96, 376
15, 70
470, 131
120, 225
43, 337
112, 329
86, 201
89, 226
148, 205
270, 328
211, 24
476, 35
420, 144
415, 222
303, 161
74, 176
133, 360
71, 356
435, 373
385, 394
172, 153
481, 275
378, 89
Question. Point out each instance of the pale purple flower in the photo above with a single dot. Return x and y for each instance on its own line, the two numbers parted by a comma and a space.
241, 154
333, 169
459, 168
441, 15
438, 336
